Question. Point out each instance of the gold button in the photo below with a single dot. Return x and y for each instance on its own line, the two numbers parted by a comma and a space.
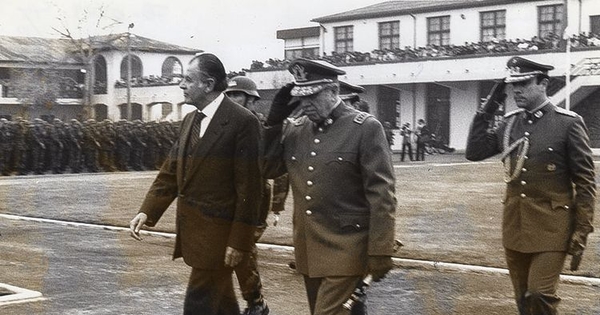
308, 198
340, 158
293, 158
523, 170
523, 195
309, 183
526, 157
310, 168
321, 129
308, 212
566, 207
313, 153
550, 149
317, 141
523, 183
357, 225
527, 134
530, 122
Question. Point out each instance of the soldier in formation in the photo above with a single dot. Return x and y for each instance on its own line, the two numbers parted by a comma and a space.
42, 147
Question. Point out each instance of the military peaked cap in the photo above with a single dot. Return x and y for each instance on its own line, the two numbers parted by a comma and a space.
522, 69
313, 76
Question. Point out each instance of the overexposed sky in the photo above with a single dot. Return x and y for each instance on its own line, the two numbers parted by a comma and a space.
238, 31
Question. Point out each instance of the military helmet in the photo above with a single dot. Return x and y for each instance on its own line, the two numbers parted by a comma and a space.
242, 84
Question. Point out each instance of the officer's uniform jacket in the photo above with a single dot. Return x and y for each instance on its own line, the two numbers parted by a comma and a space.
342, 179
217, 185
549, 174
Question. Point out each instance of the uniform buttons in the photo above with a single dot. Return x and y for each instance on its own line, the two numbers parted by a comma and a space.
523, 195
310, 168
526, 157
317, 141
566, 207
309, 183
523, 183
357, 226
340, 158
523, 170
293, 158
313, 153
308, 198
527, 134
308, 212
320, 129
530, 122
550, 149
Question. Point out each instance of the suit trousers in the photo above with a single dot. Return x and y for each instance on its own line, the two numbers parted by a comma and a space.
247, 272
327, 295
535, 280
210, 292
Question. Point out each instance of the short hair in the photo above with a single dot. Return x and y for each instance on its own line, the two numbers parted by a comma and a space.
211, 66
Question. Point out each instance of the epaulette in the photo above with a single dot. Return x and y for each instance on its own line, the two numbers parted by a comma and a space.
566, 112
361, 117
514, 112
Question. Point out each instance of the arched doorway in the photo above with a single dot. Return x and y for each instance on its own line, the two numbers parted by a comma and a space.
137, 69
100, 81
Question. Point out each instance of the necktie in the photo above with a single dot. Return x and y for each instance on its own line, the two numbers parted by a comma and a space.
195, 132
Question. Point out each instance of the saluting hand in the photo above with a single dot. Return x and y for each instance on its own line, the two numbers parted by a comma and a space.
282, 105
496, 98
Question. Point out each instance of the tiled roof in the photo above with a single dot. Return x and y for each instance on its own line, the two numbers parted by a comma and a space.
59, 50
35, 50
402, 7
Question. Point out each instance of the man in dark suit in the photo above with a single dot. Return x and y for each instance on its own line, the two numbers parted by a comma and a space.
551, 190
213, 172
340, 169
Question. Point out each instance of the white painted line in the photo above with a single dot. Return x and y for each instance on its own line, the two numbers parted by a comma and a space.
442, 164
20, 295
400, 262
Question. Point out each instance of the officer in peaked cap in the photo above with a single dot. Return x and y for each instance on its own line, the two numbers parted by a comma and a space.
349, 93
550, 186
340, 235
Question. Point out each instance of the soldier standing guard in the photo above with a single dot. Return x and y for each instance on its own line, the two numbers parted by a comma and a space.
340, 235
551, 190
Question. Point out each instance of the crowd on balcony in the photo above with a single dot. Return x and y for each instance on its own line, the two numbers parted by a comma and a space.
550, 42
151, 80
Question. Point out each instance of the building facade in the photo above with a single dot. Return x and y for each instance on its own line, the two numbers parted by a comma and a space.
61, 78
437, 60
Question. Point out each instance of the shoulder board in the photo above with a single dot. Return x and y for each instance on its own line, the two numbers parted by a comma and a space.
514, 112
563, 111
361, 117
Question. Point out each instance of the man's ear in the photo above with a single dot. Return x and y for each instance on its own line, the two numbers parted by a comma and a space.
210, 85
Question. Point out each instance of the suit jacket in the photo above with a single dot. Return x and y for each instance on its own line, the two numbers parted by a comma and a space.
342, 179
217, 186
551, 189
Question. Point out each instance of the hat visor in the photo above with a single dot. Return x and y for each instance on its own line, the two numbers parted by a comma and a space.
519, 78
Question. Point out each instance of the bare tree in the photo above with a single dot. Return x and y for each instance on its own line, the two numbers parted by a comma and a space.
85, 40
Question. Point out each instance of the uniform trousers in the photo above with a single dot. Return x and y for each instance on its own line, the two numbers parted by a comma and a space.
247, 272
535, 280
210, 292
326, 296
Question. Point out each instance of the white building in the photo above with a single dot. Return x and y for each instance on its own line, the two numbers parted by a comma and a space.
437, 59
31, 68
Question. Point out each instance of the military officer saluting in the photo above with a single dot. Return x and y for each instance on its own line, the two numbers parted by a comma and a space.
342, 178
550, 185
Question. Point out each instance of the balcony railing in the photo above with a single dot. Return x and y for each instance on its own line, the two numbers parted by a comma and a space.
149, 81
432, 52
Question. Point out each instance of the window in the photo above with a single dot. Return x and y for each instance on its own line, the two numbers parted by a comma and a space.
136, 67
389, 35
493, 25
438, 30
99, 75
595, 24
550, 20
172, 67
311, 53
344, 38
